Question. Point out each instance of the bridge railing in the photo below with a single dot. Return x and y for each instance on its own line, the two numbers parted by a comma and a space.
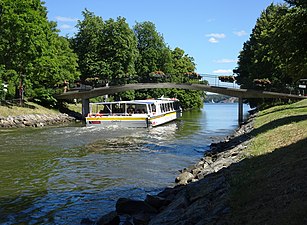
211, 79
214, 80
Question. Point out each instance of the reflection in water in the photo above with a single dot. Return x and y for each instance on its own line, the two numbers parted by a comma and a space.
60, 175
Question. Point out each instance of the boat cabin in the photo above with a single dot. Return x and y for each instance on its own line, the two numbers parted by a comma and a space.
125, 108
137, 113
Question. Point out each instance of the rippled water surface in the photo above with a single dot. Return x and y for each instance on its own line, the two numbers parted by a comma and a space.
59, 175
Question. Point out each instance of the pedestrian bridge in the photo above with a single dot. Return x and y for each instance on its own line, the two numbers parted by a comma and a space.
235, 92
85, 95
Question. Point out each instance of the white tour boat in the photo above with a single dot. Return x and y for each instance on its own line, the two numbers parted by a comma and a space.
136, 113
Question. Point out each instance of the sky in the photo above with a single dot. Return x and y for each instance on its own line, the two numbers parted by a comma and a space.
212, 32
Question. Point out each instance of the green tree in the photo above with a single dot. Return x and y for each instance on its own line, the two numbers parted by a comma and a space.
182, 65
276, 49
257, 59
55, 66
154, 61
87, 44
302, 3
289, 45
119, 50
154, 53
31, 51
106, 49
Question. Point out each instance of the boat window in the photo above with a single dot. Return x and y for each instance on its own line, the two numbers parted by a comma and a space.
130, 108
153, 108
104, 109
136, 108
176, 105
149, 108
118, 108
163, 107
167, 107
141, 109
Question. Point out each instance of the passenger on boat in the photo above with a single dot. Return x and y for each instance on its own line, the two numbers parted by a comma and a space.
130, 110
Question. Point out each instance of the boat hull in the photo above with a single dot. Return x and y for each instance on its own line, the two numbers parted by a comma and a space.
123, 121
165, 118
142, 121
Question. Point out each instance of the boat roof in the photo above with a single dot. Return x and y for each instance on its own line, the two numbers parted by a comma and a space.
146, 101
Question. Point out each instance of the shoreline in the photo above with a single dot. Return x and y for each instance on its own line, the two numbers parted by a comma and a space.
35, 120
202, 185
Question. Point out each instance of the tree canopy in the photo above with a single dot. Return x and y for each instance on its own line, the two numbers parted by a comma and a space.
106, 49
33, 57
154, 53
116, 54
276, 50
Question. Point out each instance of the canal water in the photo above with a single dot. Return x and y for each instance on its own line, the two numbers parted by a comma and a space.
59, 175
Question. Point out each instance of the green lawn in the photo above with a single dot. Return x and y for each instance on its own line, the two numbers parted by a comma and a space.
269, 186
30, 108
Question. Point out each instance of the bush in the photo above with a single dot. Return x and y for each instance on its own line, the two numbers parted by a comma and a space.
229, 79
44, 97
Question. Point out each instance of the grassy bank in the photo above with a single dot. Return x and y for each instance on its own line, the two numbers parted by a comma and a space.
29, 108
269, 186
75, 107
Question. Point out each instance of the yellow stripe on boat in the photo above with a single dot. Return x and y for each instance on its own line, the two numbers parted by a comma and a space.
115, 118
167, 114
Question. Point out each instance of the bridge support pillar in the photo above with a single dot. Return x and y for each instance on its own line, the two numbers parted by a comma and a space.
240, 111
85, 106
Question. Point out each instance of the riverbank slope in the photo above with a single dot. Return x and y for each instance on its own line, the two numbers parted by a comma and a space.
269, 186
31, 115
257, 176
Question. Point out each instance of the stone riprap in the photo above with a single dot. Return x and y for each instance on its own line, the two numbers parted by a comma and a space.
200, 196
34, 120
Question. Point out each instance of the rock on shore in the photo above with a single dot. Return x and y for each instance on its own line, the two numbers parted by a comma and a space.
200, 196
34, 120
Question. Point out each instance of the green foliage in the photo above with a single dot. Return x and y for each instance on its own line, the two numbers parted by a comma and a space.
174, 65
119, 48
302, 3
1, 83
256, 60
31, 51
182, 65
107, 50
34, 58
154, 54
86, 44
189, 99
44, 97
289, 45
276, 49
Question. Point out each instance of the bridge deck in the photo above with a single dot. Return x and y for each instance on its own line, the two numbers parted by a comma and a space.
235, 92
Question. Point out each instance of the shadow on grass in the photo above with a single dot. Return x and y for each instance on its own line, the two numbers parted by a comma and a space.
271, 189
71, 113
12, 103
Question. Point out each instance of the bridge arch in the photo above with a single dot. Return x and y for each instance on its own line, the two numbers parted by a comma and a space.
235, 92
85, 95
